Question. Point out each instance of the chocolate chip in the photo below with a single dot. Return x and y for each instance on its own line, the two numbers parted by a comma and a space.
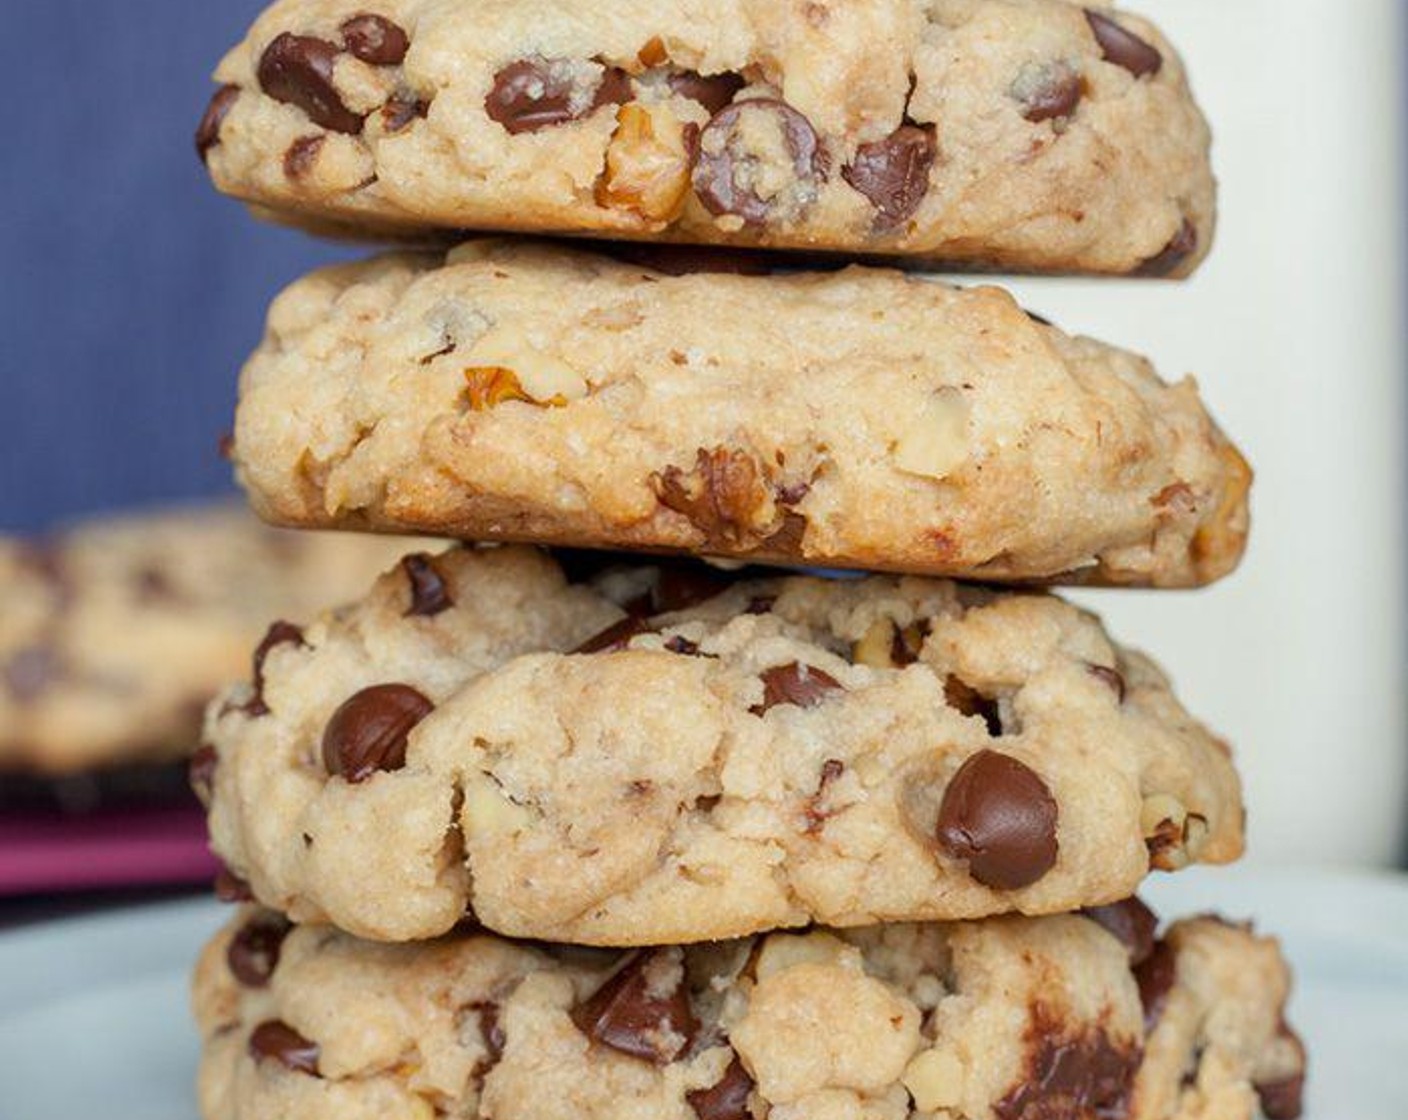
229, 887
1048, 92
279, 634
1171, 256
893, 173
643, 1010
999, 816
298, 70
253, 952
302, 154
375, 39
279, 1042
368, 732
429, 593
1155, 976
682, 646
728, 1100
208, 132
1123, 48
536, 93
1088, 1076
492, 1032
615, 637
1131, 923
726, 172
713, 92
201, 772
964, 698
30, 672
1111, 677
794, 683
396, 115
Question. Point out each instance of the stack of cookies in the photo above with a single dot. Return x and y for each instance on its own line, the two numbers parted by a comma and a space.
539, 835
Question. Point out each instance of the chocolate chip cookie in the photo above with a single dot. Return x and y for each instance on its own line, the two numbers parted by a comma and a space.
669, 753
860, 419
1009, 1019
115, 634
1019, 134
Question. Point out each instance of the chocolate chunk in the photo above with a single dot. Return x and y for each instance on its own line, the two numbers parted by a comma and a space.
208, 131
642, 1010
726, 172
964, 698
229, 887
1111, 677
201, 772
681, 585
1131, 922
30, 672
794, 683
728, 1100
302, 154
279, 634
536, 93
253, 953
375, 39
1155, 976
396, 115
491, 1032
298, 70
429, 593
816, 814
1123, 48
999, 816
1171, 256
1283, 1099
1071, 1079
1048, 92
615, 637
714, 92
368, 732
279, 1042
682, 646
893, 173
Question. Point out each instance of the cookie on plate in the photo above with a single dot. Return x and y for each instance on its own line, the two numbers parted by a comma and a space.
857, 419
1009, 1019
1018, 134
664, 754
115, 633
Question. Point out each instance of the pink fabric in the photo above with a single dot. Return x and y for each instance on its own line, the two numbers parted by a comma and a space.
51, 855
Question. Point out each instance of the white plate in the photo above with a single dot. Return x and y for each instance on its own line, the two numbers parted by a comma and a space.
94, 1019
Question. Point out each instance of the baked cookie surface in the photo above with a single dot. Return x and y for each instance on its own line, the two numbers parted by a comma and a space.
667, 754
1019, 134
115, 633
1004, 1019
855, 419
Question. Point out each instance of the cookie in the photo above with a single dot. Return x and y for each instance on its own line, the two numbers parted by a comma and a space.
1018, 134
857, 419
1009, 1019
670, 754
115, 634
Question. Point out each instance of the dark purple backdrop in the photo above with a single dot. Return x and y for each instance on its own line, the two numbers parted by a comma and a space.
131, 291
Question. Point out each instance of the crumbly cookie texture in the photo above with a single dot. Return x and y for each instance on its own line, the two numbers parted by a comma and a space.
666, 754
1021, 134
861, 418
1056, 1018
115, 634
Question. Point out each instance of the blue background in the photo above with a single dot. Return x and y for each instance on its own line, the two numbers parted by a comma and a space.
132, 292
